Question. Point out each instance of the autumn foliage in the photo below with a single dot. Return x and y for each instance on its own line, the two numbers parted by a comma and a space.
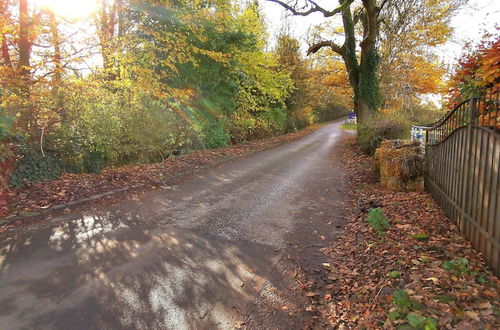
138, 82
478, 69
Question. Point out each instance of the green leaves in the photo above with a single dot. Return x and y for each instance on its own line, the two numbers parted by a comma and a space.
457, 267
443, 299
420, 237
406, 305
378, 221
403, 301
395, 274
34, 167
421, 322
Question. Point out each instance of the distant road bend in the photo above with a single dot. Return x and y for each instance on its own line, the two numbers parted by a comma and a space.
205, 252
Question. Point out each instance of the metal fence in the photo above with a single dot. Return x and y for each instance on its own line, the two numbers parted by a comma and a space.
417, 133
462, 171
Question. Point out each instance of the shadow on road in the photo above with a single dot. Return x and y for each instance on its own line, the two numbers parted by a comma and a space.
98, 271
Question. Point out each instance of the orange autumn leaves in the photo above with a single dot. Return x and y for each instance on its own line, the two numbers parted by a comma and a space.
478, 69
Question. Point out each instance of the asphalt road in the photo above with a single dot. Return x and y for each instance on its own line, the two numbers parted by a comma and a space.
209, 251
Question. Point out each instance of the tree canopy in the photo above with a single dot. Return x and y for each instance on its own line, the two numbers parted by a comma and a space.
137, 81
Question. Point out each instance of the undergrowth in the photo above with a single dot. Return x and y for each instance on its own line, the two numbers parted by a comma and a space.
378, 221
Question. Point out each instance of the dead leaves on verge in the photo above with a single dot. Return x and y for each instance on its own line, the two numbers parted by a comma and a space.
72, 187
421, 273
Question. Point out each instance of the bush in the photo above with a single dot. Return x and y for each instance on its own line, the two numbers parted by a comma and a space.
6, 134
379, 128
32, 166
275, 121
250, 126
216, 136
116, 124
301, 118
378, 221
459, 266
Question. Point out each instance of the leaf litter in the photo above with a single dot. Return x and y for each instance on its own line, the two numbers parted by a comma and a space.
418, 272
73, 187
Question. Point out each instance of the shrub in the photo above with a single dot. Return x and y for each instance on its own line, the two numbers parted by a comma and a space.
378, 221
275, 121
216, 136
32, 166
301, 118
6, 134
404, 302
459, 266
116, 124
372, 133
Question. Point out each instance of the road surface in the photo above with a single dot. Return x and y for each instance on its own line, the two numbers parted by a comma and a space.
210, 251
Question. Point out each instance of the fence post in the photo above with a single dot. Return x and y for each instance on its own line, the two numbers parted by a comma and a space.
473, 111
469, 176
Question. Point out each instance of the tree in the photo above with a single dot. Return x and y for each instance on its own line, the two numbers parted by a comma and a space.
409, 31
299, 103
477, 70
110, 26
362, 71
24, 41
391, 33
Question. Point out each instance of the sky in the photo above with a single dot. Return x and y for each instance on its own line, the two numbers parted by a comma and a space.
468, 24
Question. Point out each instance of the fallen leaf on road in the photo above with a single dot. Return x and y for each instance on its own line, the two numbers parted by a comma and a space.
311, 294
239, 324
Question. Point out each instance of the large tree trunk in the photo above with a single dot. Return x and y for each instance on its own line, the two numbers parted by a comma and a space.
24, 41
57, 57
362, 110
361, 72
26, 119
107, 27
58, 66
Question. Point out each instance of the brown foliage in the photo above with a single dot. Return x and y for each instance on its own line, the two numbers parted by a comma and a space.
359, 289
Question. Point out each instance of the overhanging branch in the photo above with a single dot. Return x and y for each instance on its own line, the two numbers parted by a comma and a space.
314, 8
327, 43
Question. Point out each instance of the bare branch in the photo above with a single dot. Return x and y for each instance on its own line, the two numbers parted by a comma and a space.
327, 43
381, 7
314, 8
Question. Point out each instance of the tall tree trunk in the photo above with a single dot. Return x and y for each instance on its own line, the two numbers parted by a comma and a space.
24, 41
107, 25
26, 120
362, 75
361, 72
57, 57
58, 66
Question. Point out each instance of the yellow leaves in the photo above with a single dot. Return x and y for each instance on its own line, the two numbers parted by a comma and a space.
216, 56
337, 79
411, 75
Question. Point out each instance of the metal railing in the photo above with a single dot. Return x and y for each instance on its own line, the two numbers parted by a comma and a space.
418, 133
462, 171
478, 112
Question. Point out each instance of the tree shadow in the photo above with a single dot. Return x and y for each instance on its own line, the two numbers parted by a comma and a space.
98, 271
